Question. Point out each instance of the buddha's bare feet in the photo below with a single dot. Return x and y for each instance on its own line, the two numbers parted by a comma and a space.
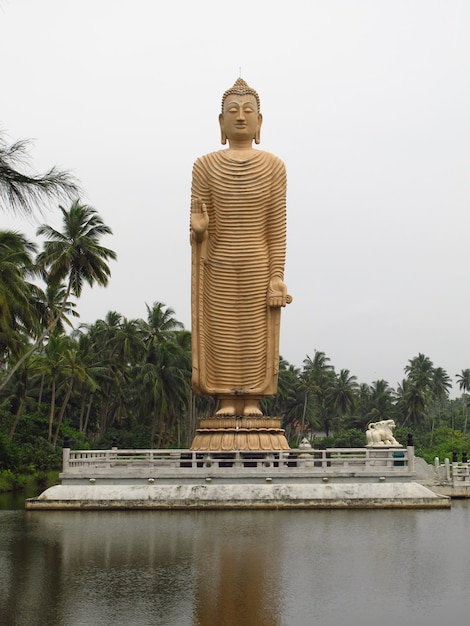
252, 409
226, 408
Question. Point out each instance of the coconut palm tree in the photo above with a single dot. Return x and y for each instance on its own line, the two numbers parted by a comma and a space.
115, 344
73, 371
17, 308
290, 401
21, 388
411, 402
73, 255
420, 371
57, 312
341, 395
464, 380
317, 377
23, 193
164, 386
464, 385
440, 385
161, 323
375, 402
51, 363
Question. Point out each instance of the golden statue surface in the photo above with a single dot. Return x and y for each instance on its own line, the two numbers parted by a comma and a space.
238, 239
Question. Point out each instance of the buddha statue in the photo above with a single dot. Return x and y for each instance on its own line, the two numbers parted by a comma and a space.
238, 239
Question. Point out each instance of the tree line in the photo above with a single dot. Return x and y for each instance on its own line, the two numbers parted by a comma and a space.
129, 380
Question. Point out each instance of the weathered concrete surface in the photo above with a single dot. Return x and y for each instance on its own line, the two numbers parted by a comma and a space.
272, 495
434, 478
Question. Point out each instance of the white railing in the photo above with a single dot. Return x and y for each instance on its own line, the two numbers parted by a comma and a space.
329, 460
454, 472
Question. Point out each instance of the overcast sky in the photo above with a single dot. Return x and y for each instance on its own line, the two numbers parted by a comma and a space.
366, 101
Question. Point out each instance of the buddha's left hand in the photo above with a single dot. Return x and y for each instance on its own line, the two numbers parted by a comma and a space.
277, 293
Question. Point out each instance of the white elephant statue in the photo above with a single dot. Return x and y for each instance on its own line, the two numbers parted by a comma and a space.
381, 434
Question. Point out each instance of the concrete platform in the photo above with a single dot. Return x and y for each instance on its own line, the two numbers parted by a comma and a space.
221, 495
182, 479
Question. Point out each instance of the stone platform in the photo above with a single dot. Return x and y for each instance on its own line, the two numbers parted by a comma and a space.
185, 479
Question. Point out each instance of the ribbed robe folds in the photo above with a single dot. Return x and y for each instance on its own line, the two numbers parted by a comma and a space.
235, 334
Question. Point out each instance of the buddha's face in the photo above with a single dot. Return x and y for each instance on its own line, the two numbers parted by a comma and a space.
240, 119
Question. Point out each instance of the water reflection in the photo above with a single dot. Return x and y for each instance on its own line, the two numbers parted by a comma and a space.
273, 568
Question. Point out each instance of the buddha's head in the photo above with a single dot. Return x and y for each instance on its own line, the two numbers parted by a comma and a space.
240, 117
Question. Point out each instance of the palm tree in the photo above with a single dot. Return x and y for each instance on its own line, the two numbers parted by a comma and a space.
164, 383
375, 402
93, 365
21, 384
341, 395
57, 312
440, 386
51, 364
420, 371
73, 371
464, 385
74, 255
23, 193
317, 377
17, 310
411, 402
290, 401
161, 323
464, 380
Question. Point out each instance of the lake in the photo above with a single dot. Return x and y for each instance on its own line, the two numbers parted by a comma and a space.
234, 568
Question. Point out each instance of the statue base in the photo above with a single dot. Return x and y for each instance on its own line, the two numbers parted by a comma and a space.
240, 433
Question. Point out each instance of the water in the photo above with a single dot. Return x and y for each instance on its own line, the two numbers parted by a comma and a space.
234, 568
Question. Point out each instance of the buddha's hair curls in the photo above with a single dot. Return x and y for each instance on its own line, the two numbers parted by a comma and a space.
241, 88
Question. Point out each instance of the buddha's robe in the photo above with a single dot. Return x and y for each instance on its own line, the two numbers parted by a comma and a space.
235, 333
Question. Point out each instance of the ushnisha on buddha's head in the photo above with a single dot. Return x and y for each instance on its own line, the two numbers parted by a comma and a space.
240, 119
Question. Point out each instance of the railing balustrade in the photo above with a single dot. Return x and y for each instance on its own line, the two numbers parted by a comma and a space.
454, 471
331, 459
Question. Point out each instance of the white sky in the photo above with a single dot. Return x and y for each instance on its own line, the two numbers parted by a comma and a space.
366, 101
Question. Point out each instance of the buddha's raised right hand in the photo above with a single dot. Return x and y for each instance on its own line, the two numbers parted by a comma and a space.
199, 218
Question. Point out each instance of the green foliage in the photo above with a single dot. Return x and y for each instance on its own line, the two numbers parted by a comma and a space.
139, 437
40, 456
444, 442
28, 452
352, 438
324, 443
10, 481
9, 454
77, 440
32, 426
129, 379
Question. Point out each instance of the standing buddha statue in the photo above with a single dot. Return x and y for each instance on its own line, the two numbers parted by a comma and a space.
238, 238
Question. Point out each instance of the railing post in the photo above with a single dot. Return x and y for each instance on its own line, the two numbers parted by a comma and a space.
66, 454
447, 466
411, 457
464, 466
455, 466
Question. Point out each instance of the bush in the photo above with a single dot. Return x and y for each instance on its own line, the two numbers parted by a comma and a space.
9, 453
139, 437
10, 481
352, 438
40, 456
